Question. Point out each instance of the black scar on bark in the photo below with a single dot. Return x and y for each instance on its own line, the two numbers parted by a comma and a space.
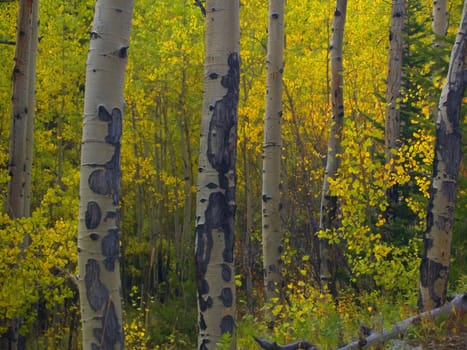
227, 324
219, 216
114, 119
110, 215
202, 322
110, 248
204, 304
94, 236
111, 332
203, 345
226, 273
271, 286
222, 136
93, 215
96, 292
204, 287
430, 271
226, 297
203, 250
106, 179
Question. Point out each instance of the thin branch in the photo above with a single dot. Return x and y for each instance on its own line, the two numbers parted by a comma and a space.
7, 42
201, 6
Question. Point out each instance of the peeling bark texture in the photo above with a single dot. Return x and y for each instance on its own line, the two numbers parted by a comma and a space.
98, 227
20, 116
215, 212
434, 268
393, 89
328, 213
271, 203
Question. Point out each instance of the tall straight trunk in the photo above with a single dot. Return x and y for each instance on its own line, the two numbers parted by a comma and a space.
247, 260
215, 209
329, 207
434, 269
21, 128
20, 110
393, 89
31, 107
271, 201
98, 226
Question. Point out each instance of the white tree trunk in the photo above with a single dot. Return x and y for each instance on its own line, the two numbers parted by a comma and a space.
329, 208
439, 24
271, 201
20, 110
98, 227
434, 269
215, 210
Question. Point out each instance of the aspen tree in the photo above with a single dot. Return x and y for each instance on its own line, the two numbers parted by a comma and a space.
32, 107
329, 207
393, 89
21, 128
439, 23
20, 110
434, 268
215, 210
98, 226
271, 202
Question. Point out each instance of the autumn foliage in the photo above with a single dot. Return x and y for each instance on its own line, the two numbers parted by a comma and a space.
379, 252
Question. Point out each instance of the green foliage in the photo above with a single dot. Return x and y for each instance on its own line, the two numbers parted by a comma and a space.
159, 150
315, 317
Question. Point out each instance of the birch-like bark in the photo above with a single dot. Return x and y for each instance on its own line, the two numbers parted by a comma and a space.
215, 208
434, 269
393, 90
329, 207
271, 194
20, 110
439, 23
98, 226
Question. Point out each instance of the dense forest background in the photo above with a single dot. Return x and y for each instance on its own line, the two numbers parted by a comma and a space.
379, 259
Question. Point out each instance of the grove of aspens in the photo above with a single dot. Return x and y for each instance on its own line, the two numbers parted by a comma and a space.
376, 241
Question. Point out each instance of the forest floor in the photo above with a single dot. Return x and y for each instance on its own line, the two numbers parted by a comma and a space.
454, 338
455, 341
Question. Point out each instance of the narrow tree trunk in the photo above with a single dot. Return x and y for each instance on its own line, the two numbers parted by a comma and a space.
215, 208
271, 200
246, 241
434, 269
329, 207
31, 107
20, 110
21, 129
98, 227
393, 90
